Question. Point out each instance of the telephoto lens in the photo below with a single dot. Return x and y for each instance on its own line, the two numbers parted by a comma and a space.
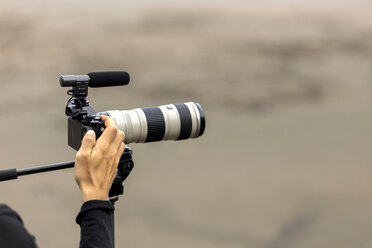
167, 122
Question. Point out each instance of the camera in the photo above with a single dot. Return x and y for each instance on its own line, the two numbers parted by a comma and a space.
141, 125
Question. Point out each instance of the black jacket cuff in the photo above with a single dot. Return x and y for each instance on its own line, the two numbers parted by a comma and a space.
94, 204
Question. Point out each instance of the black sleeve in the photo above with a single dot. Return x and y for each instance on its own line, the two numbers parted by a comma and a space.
95, 220
13, 234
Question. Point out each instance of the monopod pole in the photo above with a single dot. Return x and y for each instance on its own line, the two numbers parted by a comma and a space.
11, 174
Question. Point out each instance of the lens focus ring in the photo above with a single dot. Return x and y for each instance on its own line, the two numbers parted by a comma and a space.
186, 122
155, 124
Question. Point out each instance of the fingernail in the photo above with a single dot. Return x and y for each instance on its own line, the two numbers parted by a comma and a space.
90, 132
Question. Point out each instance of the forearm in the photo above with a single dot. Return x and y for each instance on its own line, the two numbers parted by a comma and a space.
95, 220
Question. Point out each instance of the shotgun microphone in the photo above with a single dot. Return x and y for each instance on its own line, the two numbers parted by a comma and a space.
96, 79
108, 79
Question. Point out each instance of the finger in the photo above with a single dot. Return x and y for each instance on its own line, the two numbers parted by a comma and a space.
118, 155
121, 149
110, 129
108, 121
118, 139
88, 142
116, 161
119, 152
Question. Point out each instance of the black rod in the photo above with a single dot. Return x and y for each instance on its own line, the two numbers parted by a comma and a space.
45, 168
11, 174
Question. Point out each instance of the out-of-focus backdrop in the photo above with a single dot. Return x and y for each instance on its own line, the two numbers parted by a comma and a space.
286, 86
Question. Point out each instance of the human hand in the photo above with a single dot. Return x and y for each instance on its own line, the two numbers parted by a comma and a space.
97, 161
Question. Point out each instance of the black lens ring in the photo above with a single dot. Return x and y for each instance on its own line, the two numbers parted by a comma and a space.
186, 121
202, 119
155, 124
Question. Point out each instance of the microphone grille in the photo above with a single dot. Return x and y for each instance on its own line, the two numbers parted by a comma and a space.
108, 78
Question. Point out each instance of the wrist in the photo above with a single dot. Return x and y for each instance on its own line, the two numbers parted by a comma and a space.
89, 195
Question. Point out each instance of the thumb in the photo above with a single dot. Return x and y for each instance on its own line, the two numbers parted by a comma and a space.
88, 141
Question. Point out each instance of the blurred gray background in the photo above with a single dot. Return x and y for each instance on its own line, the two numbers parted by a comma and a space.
287, 90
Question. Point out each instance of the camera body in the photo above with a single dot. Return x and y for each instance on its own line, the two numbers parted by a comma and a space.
178, 121
84, 119
81, 119
77, 130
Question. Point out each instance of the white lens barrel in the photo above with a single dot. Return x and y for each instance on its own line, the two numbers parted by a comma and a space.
167, 122
172, 122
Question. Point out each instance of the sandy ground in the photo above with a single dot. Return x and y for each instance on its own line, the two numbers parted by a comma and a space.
286, 157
